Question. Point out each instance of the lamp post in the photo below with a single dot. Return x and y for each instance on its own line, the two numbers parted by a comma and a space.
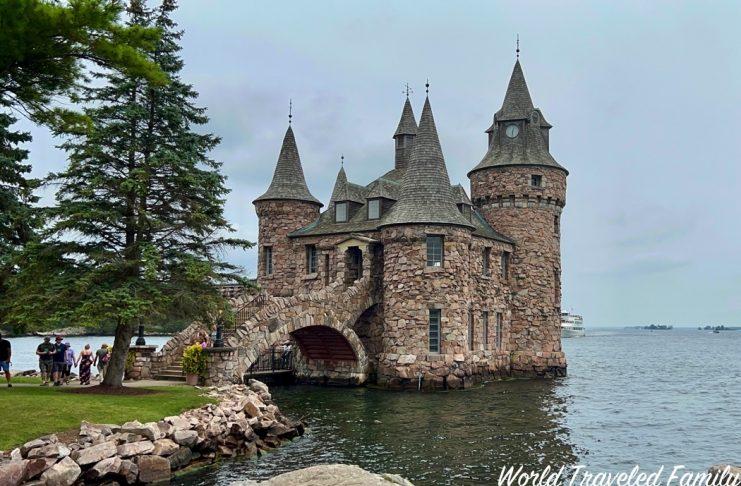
140, 339
219, 340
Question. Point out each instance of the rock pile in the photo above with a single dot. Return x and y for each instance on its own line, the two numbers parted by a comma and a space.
245, 421
725, 474
331, 475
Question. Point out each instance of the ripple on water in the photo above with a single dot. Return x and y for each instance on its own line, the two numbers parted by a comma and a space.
631, 397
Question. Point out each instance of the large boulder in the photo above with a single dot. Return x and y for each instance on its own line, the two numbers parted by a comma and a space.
106, 467
63, 473
51, 450
181, 458
258, 387
164, 447
331, 475
149, 430
129, 471
187, 438
135, 448
725, 474
13, 473
153, 469
94, 454
38, 466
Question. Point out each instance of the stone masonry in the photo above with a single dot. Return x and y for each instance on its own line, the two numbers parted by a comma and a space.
406, 281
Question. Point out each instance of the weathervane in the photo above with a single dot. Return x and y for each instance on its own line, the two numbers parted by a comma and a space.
408, 89
518, 46
290, 110
427, 86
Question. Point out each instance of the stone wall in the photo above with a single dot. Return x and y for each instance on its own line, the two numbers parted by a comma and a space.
276, 220
221, 366
142, 362
411, 290
172, 351
530, 215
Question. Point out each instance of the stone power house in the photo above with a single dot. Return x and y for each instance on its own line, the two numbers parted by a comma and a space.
408, 281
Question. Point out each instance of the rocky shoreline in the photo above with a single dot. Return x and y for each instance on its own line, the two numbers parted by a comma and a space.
245, 421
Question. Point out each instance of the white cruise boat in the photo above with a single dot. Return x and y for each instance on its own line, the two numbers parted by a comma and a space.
572, 325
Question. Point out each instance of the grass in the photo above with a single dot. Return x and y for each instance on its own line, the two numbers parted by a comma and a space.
28, 380
29, 412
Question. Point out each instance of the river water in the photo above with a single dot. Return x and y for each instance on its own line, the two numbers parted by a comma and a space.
631, 398
24, 348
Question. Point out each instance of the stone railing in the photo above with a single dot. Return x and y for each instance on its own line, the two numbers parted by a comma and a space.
172, 351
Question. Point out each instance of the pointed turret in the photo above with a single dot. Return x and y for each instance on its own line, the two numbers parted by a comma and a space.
426, 195
404, 136
517, 103
288, 179
519, 132
344, 190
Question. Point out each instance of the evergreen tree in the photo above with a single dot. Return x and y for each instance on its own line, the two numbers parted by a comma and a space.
139, 216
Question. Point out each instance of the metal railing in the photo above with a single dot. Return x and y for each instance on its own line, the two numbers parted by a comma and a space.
274, 359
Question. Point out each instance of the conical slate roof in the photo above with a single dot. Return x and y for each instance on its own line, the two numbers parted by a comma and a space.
517, 101
407, 123
288, 179
426, 195
528, 147
460, 195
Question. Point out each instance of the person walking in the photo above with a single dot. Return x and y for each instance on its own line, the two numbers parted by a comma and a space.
45, 352
85, 361
5, 355
69, 361
101, 359
58, 361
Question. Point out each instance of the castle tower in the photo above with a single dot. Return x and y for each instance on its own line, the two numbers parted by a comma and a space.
404, 136
285, 207
425, 242
521, 190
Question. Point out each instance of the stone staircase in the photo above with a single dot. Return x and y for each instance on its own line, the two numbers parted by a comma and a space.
173, 372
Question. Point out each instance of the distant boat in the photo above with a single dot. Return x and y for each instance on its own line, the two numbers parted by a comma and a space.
572, 325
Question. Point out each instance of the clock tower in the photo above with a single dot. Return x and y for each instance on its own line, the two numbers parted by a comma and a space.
521, 191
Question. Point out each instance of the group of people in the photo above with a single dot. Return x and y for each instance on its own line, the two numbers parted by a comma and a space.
57, 359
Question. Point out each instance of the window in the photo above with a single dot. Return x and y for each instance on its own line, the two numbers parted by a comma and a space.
485, 319
434, 251
310, 258
487, 261
434, 331
505, 264
470, 330
556, 224
340, 212
374, 208
267, 256
499, 330
536, 180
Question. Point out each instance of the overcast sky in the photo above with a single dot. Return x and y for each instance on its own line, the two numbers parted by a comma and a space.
643, 96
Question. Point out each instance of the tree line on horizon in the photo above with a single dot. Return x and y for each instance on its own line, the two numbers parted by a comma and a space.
137, 229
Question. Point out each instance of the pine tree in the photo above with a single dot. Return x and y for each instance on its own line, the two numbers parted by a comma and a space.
17, 217
140, 208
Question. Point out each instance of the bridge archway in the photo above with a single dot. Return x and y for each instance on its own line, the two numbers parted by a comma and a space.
321, 324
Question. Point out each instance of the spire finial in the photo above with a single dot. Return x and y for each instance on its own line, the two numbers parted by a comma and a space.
407, 89
342, 160
290, 111
518, 46
427, 86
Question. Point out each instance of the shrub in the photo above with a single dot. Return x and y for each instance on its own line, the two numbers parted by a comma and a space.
194, 361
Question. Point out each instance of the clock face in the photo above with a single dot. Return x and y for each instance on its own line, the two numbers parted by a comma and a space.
512, 131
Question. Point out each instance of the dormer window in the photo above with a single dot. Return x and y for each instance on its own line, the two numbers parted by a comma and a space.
465, 210
536, 180
374, 209
340, 212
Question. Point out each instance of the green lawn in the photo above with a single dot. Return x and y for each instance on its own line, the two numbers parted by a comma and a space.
32, 411
22, 379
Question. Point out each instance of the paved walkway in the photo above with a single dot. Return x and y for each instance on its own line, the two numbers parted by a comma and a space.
131, 383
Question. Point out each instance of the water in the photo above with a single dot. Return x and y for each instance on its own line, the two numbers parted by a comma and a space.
24, 348
631, 398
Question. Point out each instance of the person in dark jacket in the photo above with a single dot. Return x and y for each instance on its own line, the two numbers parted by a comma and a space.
5, 355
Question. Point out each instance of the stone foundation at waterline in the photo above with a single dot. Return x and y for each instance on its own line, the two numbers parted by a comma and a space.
245, 421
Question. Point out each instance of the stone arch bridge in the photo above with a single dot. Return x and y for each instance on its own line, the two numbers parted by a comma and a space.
321, 322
